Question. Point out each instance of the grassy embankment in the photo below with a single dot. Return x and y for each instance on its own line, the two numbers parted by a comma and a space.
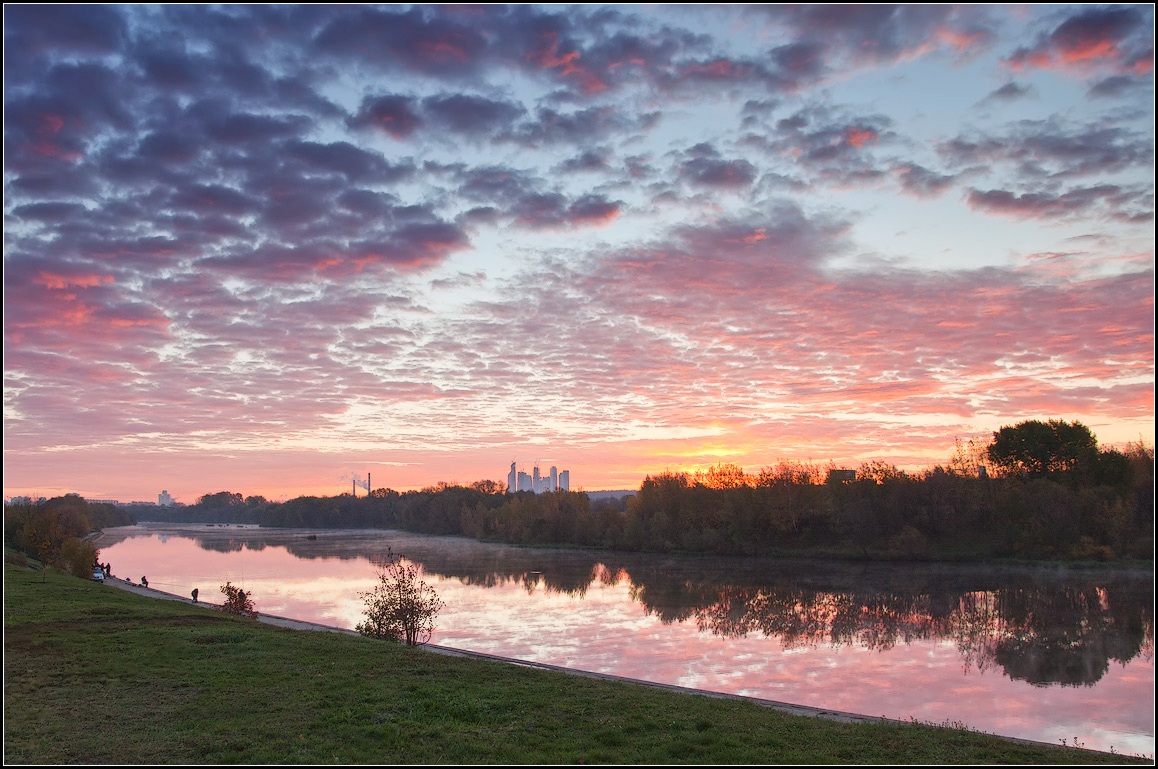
99, 675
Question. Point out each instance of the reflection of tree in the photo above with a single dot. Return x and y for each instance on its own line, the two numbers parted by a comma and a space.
669, 598
973, 626
1044, 635
808, 618
225, 545
1067, 636
798, 618
1042, 626
1047, 660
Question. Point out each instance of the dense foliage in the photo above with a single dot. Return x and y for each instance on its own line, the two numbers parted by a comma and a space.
1098, 509
221, 507
1081, 502
1038, 490
54, 531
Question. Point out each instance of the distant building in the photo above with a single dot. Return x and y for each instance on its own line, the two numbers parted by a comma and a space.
164, 500
27, 500
841, 475
537, 482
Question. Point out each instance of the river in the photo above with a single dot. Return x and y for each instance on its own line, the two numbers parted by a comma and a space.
1057, 655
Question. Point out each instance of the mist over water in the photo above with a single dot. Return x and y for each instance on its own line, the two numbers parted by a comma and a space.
1037, 652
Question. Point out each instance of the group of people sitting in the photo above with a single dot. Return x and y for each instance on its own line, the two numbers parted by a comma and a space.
108, 570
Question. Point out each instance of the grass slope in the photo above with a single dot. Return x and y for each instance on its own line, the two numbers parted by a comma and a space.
102, 676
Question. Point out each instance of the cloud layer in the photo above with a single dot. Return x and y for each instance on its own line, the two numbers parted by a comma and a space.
253, 247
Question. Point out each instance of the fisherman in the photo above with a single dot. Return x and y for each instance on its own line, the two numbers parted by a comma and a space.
194, 595
144, 582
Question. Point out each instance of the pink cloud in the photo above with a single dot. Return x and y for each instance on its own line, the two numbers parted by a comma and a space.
567, 63
964, 40
1093, 40
859, 137
57, 282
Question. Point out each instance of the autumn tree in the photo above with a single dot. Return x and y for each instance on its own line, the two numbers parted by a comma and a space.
489, 487
401, 607
969, 458
221, 499
1036, 448
77, 557
237, 601
724, 476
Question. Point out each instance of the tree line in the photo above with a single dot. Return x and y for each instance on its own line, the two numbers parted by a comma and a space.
55, 531
1037, 490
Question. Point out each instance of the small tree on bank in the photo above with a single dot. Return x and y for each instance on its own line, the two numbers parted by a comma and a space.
401, 607
237, 601
78, 556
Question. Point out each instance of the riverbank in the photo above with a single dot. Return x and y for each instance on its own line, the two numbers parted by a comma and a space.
95, 675
296, 624
883, 640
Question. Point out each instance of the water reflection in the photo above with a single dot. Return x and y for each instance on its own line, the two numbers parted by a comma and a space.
1043, 635
1044, 626
882, 639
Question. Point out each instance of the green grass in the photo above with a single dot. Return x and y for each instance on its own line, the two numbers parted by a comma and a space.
99, 675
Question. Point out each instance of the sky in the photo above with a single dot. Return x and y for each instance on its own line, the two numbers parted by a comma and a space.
275, 249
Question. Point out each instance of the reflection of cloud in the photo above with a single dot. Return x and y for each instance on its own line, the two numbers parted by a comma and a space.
607, 631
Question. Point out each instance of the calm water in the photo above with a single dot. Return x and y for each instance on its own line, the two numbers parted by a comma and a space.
1041, 653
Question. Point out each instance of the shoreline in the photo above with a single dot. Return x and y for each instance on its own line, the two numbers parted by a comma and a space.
784, 707
1140, 565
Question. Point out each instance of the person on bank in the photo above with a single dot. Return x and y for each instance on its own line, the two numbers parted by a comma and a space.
144, 581
194, 595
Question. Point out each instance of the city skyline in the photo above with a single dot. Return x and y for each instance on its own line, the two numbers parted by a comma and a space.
536, 483
272, 248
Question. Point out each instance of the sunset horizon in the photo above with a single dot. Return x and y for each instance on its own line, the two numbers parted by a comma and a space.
275, 249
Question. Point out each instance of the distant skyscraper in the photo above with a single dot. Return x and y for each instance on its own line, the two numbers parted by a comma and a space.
536, 482
164, 500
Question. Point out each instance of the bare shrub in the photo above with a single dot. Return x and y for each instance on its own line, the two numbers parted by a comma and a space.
401, 607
